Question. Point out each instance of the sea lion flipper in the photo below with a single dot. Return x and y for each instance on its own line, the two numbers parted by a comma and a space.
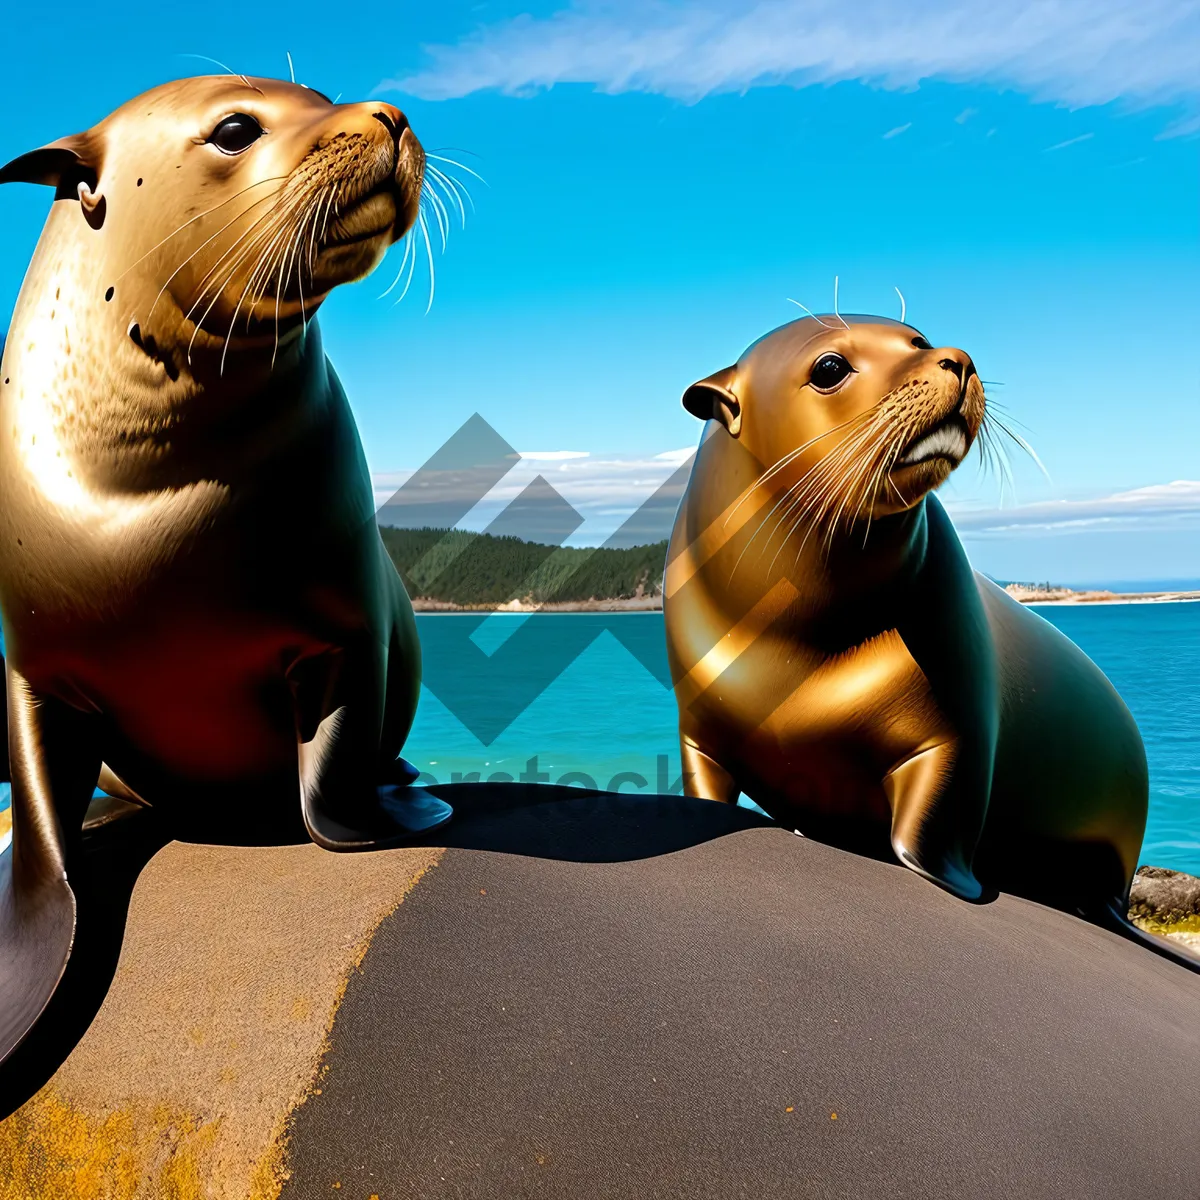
703, 776
935, 821
344, 807
400, 772
55, 760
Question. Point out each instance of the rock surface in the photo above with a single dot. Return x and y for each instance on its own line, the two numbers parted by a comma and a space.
1164, 897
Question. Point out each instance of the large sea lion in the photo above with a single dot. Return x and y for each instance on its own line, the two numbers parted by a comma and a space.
193, 588
837, 659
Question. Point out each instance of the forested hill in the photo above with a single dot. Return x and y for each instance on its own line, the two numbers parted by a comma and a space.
457, 567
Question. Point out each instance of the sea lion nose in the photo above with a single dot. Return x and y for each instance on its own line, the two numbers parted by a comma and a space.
953, 366
392, 119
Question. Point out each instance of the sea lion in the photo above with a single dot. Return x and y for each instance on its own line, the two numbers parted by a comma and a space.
193, 587
836, 658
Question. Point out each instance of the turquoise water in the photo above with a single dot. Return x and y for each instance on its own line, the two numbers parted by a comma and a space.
608, 717
583, 699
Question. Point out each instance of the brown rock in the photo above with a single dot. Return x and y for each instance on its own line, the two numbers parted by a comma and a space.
1164, 896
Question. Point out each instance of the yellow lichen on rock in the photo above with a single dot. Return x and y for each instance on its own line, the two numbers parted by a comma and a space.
214, 1028
48, 1148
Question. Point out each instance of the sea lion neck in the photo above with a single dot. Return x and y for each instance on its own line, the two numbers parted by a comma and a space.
747, 520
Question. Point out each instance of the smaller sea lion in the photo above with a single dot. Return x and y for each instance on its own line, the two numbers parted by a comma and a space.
193, 586
836, 658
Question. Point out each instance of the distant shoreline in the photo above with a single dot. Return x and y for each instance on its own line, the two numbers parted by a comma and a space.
423, 604
1056, 595
635, 604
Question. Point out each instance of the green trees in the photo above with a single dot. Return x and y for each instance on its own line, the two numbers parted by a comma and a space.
476, 568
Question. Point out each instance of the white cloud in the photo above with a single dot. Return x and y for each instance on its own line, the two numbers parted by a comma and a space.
1083, 137
1075, 52
1162, 505
891, 133
604, 490
966, 114
552, 455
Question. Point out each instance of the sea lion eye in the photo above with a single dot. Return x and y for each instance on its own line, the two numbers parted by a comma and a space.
921, 343
828, 371
236, 133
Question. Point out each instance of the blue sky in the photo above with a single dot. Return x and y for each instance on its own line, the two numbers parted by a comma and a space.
663, 175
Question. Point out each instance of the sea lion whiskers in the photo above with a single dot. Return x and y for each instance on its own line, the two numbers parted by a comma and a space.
769, 474
819, 482
191, 221
412, 267
779, 465
451, 188
278, 213
814, 476
313, 207
246, 243
847, 480
271, 231
1000, 420
808, 311
408, 245
429, 255
881, 478
240, 250
440, 215
819, 513
227, 70
858, 466
835, 303
813, 492
461, 166
290, 254
815, 488
245, 212
799, 484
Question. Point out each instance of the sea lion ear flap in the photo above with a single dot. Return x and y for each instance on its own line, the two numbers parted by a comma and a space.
62, 165
714, 399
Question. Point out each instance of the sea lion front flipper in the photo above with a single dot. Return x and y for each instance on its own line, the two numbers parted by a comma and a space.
54, 758
935, 823
703, 776
344, 808
347, 802
401, 772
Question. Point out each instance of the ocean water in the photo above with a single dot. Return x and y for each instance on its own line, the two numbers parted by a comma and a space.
610, 718
584, 699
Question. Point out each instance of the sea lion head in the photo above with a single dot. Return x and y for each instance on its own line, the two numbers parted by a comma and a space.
856, 418
213, 215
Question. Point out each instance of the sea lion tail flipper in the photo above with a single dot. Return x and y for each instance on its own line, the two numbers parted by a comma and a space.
37, 930
935, 826
118, 802
1115, 918
55, 761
